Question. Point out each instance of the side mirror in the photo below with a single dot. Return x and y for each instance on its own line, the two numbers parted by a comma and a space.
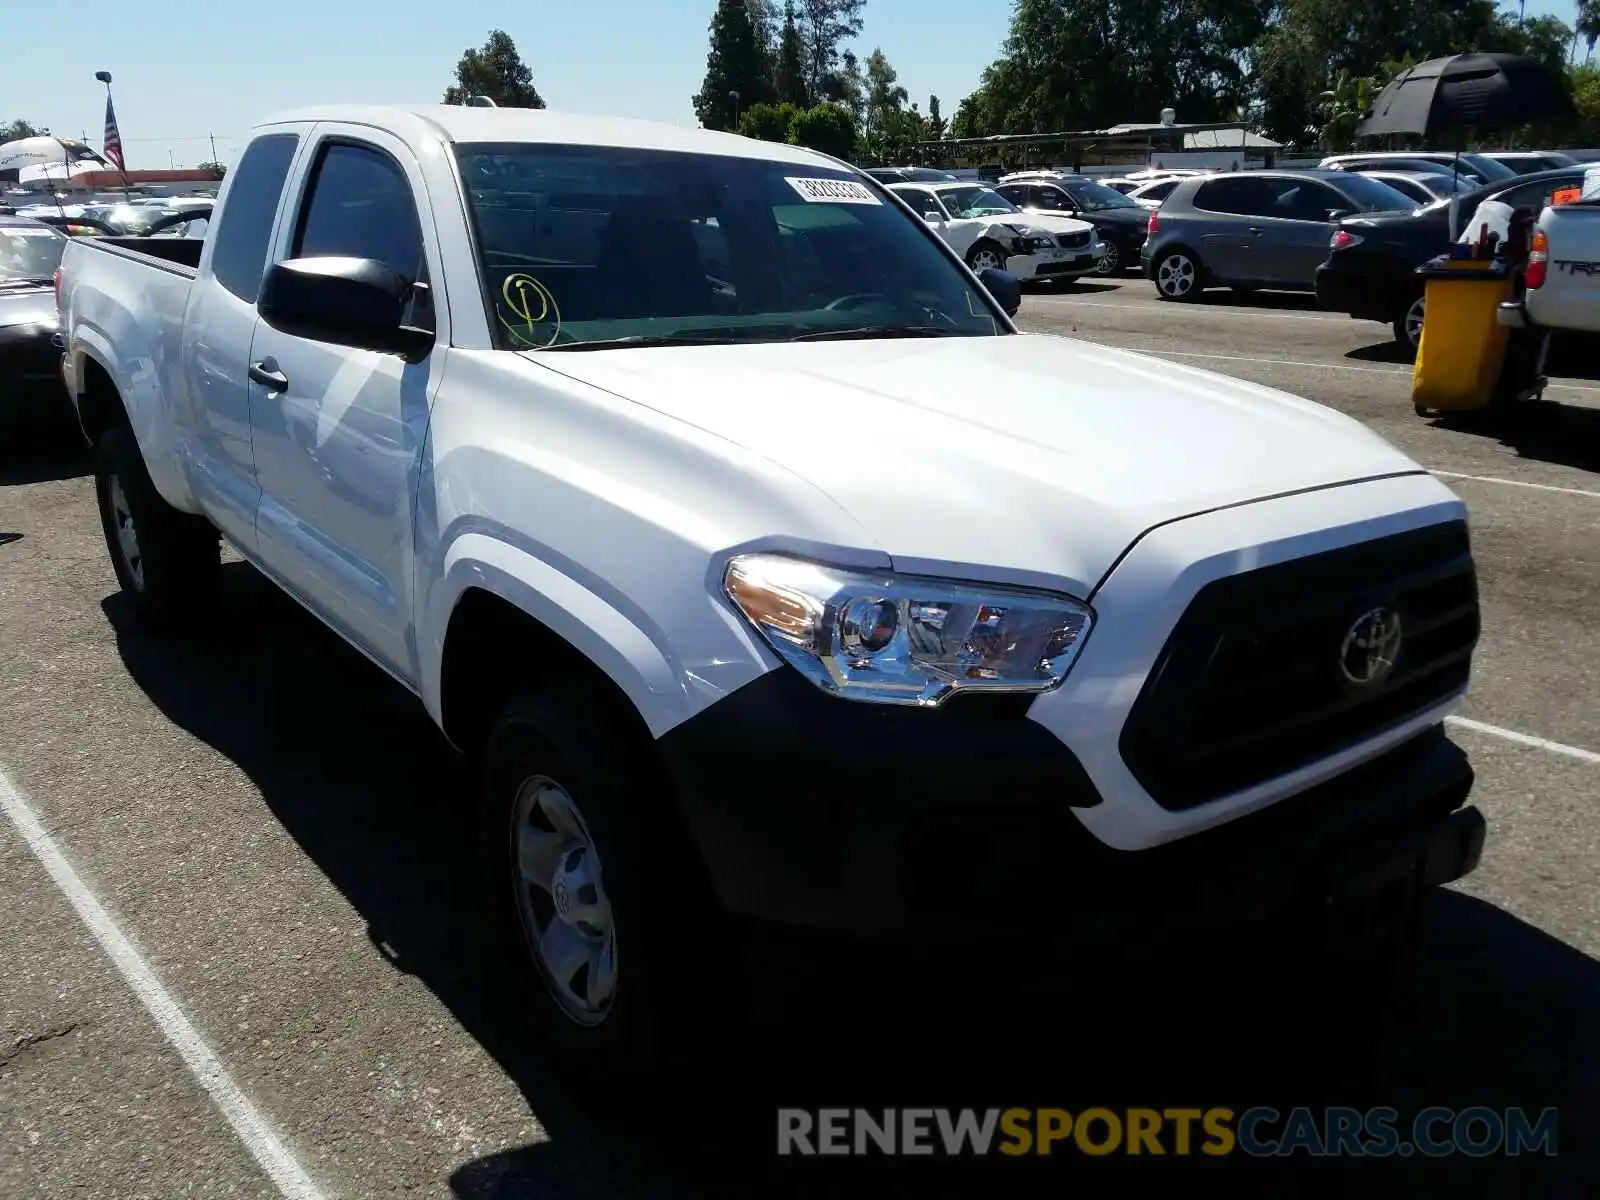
356, 302
933, 218
1005, 287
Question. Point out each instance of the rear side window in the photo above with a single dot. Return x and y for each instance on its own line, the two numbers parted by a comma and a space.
1239, 196
239, 249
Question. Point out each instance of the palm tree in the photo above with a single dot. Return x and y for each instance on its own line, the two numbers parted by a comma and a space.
1587, 25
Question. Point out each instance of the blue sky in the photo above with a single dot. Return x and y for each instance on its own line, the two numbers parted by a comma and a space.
186, 69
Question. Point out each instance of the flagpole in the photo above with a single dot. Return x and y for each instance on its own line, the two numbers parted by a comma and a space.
105, 78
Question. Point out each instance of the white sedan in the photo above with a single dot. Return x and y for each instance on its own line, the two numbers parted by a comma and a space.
988, 230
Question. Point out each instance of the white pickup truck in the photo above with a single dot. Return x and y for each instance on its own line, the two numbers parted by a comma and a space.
1563, 277
692, 484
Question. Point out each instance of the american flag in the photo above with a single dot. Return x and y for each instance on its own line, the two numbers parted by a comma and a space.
113, 138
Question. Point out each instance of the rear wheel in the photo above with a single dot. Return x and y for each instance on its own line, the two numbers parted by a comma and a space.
1111, 263
1408, 325
1178, 276
168, 562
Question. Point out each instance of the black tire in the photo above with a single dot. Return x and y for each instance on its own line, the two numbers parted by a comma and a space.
985, 246
1184, 266
1409, 323
171, 571
665, 924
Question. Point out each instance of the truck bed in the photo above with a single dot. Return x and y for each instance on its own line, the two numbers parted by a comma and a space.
171, 253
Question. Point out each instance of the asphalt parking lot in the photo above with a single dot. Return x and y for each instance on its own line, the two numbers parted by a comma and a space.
272, 831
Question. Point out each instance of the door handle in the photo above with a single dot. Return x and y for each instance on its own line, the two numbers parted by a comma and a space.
1254, 230
266, 373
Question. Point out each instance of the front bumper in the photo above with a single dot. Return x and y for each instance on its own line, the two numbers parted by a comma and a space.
928, 827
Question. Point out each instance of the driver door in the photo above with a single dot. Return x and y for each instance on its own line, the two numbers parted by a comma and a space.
338, 432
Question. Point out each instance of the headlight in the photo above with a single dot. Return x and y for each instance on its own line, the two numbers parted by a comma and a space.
906, 639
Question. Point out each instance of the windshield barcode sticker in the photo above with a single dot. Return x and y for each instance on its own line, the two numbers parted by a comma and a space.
832, 191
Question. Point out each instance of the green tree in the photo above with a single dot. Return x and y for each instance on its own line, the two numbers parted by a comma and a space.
1344, 106
936, 125
215, 169
885, 96
789, 67
769, 122
825, 25
1084, 63
11, 131
828, 128
736, 70
764, 21
497, 71
1586, 99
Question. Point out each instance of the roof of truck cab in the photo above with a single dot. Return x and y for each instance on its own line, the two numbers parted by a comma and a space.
458, 123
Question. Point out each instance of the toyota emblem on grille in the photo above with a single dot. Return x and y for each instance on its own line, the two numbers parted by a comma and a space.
1371, 646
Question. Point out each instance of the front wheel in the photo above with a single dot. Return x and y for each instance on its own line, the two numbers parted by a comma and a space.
1178, 276
167, 562
597, 892
986, 256
1111, 262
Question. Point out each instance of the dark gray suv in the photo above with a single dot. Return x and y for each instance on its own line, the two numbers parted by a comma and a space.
1254, 229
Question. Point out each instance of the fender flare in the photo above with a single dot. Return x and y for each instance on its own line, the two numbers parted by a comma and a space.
150, 423
615, 644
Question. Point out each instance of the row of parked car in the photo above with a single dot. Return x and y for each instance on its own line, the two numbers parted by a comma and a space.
32, 237
1353, 230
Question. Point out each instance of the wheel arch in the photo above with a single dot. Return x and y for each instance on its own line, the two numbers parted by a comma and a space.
501, 618
97, 400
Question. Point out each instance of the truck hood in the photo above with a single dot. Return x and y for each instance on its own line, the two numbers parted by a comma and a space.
1032, 457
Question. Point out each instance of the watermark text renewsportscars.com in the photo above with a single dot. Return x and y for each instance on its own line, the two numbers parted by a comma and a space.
1435, 1132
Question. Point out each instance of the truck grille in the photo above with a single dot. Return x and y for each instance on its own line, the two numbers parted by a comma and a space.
1250, 685
1072, 241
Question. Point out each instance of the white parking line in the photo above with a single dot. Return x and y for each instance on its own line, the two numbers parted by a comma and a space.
1319, 366
1221, 310
1538, 487
1527, 739
1273, 362
290, 1178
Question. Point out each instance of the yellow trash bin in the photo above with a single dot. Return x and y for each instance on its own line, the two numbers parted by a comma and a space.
1463, 343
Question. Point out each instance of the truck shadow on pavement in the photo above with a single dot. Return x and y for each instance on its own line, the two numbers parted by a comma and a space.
41, 452
1492, 1012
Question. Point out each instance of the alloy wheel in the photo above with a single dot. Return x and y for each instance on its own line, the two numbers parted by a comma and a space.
561, 899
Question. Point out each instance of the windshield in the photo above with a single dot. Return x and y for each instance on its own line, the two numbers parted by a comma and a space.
975, 202
611, 245
29, 253
131, 219
1369, 195
1091, 197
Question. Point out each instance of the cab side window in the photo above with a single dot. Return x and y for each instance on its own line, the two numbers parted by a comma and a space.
360, 205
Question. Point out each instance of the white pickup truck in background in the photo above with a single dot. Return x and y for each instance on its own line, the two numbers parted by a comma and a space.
1563, 277
709, 501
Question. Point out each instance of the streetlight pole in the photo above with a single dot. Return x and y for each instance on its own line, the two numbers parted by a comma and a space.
734, 96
